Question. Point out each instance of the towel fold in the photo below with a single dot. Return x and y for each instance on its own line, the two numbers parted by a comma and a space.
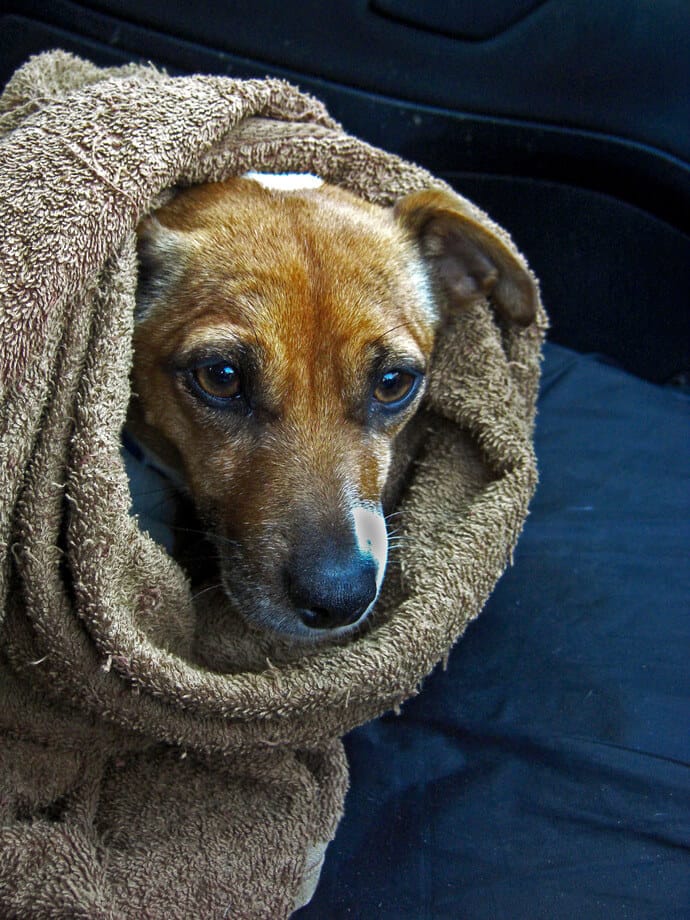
157, 758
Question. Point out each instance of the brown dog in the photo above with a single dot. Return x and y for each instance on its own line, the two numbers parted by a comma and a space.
282, 342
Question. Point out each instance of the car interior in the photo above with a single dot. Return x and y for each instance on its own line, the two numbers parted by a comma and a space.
543, 771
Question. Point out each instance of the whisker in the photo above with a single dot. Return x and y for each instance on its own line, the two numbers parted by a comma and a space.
187, 559
206, 534
389, 331
397, 542
206, 590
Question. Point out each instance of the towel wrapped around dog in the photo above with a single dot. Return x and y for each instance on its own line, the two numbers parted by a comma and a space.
157, 758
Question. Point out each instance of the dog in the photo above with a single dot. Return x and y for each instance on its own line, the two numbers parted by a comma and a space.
283, 337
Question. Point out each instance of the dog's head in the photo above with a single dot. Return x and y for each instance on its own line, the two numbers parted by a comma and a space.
282, 342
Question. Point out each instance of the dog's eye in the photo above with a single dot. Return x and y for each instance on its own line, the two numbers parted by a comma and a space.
219, 381
396, 387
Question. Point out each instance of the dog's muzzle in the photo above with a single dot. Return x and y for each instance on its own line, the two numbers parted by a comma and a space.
333, 579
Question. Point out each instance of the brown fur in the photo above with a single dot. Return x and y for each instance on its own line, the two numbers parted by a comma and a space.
318, 292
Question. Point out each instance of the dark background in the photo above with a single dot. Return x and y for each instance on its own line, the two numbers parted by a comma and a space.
567, 120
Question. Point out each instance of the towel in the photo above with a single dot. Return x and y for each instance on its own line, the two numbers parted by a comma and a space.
157, 758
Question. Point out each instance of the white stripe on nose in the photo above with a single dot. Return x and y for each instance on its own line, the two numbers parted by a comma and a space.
372, 539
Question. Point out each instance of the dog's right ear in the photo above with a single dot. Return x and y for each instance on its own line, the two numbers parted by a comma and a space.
467, 259
159, 251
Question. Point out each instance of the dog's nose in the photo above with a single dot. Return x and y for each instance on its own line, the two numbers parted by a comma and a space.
333, 588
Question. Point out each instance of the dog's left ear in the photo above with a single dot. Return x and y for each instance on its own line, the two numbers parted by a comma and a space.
465, 258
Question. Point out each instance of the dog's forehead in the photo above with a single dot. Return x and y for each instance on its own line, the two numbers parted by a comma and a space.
318, 266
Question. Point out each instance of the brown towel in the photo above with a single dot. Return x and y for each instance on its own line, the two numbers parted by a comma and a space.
156, 760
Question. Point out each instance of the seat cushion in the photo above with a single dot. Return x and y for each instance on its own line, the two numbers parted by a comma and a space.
544, 772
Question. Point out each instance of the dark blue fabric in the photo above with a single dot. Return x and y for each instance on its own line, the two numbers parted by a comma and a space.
545, 773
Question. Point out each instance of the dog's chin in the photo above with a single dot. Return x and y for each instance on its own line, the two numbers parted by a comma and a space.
282, 622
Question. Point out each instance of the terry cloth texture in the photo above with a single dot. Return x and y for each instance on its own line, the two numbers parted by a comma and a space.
158, 760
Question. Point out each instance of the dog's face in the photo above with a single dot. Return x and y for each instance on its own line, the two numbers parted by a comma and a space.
282, 342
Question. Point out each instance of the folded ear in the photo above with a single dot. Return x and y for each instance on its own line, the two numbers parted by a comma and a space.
466, 258
160, 252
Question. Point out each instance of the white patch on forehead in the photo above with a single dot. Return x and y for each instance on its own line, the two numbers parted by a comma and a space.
372, 539
285, 182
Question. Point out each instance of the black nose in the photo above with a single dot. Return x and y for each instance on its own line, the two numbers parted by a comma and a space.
333, 587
